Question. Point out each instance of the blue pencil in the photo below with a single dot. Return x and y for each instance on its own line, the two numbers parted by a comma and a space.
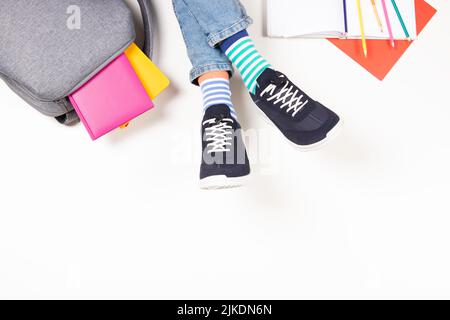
345, 17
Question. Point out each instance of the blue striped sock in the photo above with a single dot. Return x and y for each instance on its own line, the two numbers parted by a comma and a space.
217, 91
240, 49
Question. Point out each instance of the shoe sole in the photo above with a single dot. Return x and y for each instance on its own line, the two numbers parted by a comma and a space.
333, 133
222, 182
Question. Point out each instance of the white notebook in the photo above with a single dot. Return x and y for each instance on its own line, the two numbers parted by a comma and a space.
325, 19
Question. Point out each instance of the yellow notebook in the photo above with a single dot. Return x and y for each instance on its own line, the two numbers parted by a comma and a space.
153, 80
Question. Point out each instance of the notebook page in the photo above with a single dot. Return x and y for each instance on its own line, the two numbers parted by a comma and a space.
300, 18
371, 27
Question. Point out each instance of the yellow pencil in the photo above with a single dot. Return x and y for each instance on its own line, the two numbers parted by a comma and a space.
377, 15
361, 24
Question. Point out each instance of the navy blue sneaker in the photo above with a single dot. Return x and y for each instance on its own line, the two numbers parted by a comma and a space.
301, 119
224, 162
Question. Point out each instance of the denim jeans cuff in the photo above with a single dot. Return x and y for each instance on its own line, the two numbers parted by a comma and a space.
198, 71
215, 38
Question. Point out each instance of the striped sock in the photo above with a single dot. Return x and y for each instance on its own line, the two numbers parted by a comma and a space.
217, 91
240, 49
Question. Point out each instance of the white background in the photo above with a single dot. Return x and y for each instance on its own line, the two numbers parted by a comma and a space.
366, 217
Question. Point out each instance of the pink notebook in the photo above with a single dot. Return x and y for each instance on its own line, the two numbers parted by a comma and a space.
112, 98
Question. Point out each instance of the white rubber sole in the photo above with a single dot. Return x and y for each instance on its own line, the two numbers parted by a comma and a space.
222, 182
333, 133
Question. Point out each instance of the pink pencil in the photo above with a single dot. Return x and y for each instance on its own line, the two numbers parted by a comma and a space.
388, 22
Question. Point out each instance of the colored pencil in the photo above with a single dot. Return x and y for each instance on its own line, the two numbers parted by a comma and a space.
345, 17
361, 24
388, 23
401, 20
377, 15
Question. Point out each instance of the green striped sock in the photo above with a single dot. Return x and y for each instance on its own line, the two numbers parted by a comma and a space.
248, 61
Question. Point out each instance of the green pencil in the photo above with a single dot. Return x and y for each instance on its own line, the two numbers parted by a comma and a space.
401, 20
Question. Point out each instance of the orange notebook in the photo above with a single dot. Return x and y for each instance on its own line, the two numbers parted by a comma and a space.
382, 57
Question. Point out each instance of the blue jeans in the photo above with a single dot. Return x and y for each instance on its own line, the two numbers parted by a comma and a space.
205, 24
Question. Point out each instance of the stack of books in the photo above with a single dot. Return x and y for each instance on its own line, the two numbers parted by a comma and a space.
119, 93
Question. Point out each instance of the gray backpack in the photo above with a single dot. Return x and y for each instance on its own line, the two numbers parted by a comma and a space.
50, 48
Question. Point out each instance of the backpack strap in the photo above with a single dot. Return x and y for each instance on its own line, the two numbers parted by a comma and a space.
68, 119
146, 10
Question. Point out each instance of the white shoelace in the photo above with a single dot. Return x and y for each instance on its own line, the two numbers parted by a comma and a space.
288, 98
219, 135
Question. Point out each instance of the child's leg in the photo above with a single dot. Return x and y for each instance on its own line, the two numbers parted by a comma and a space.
203, 57
240, 49
215, 86
224, 161
224, 23
300, 118
214, 75
217, 19
210, 65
